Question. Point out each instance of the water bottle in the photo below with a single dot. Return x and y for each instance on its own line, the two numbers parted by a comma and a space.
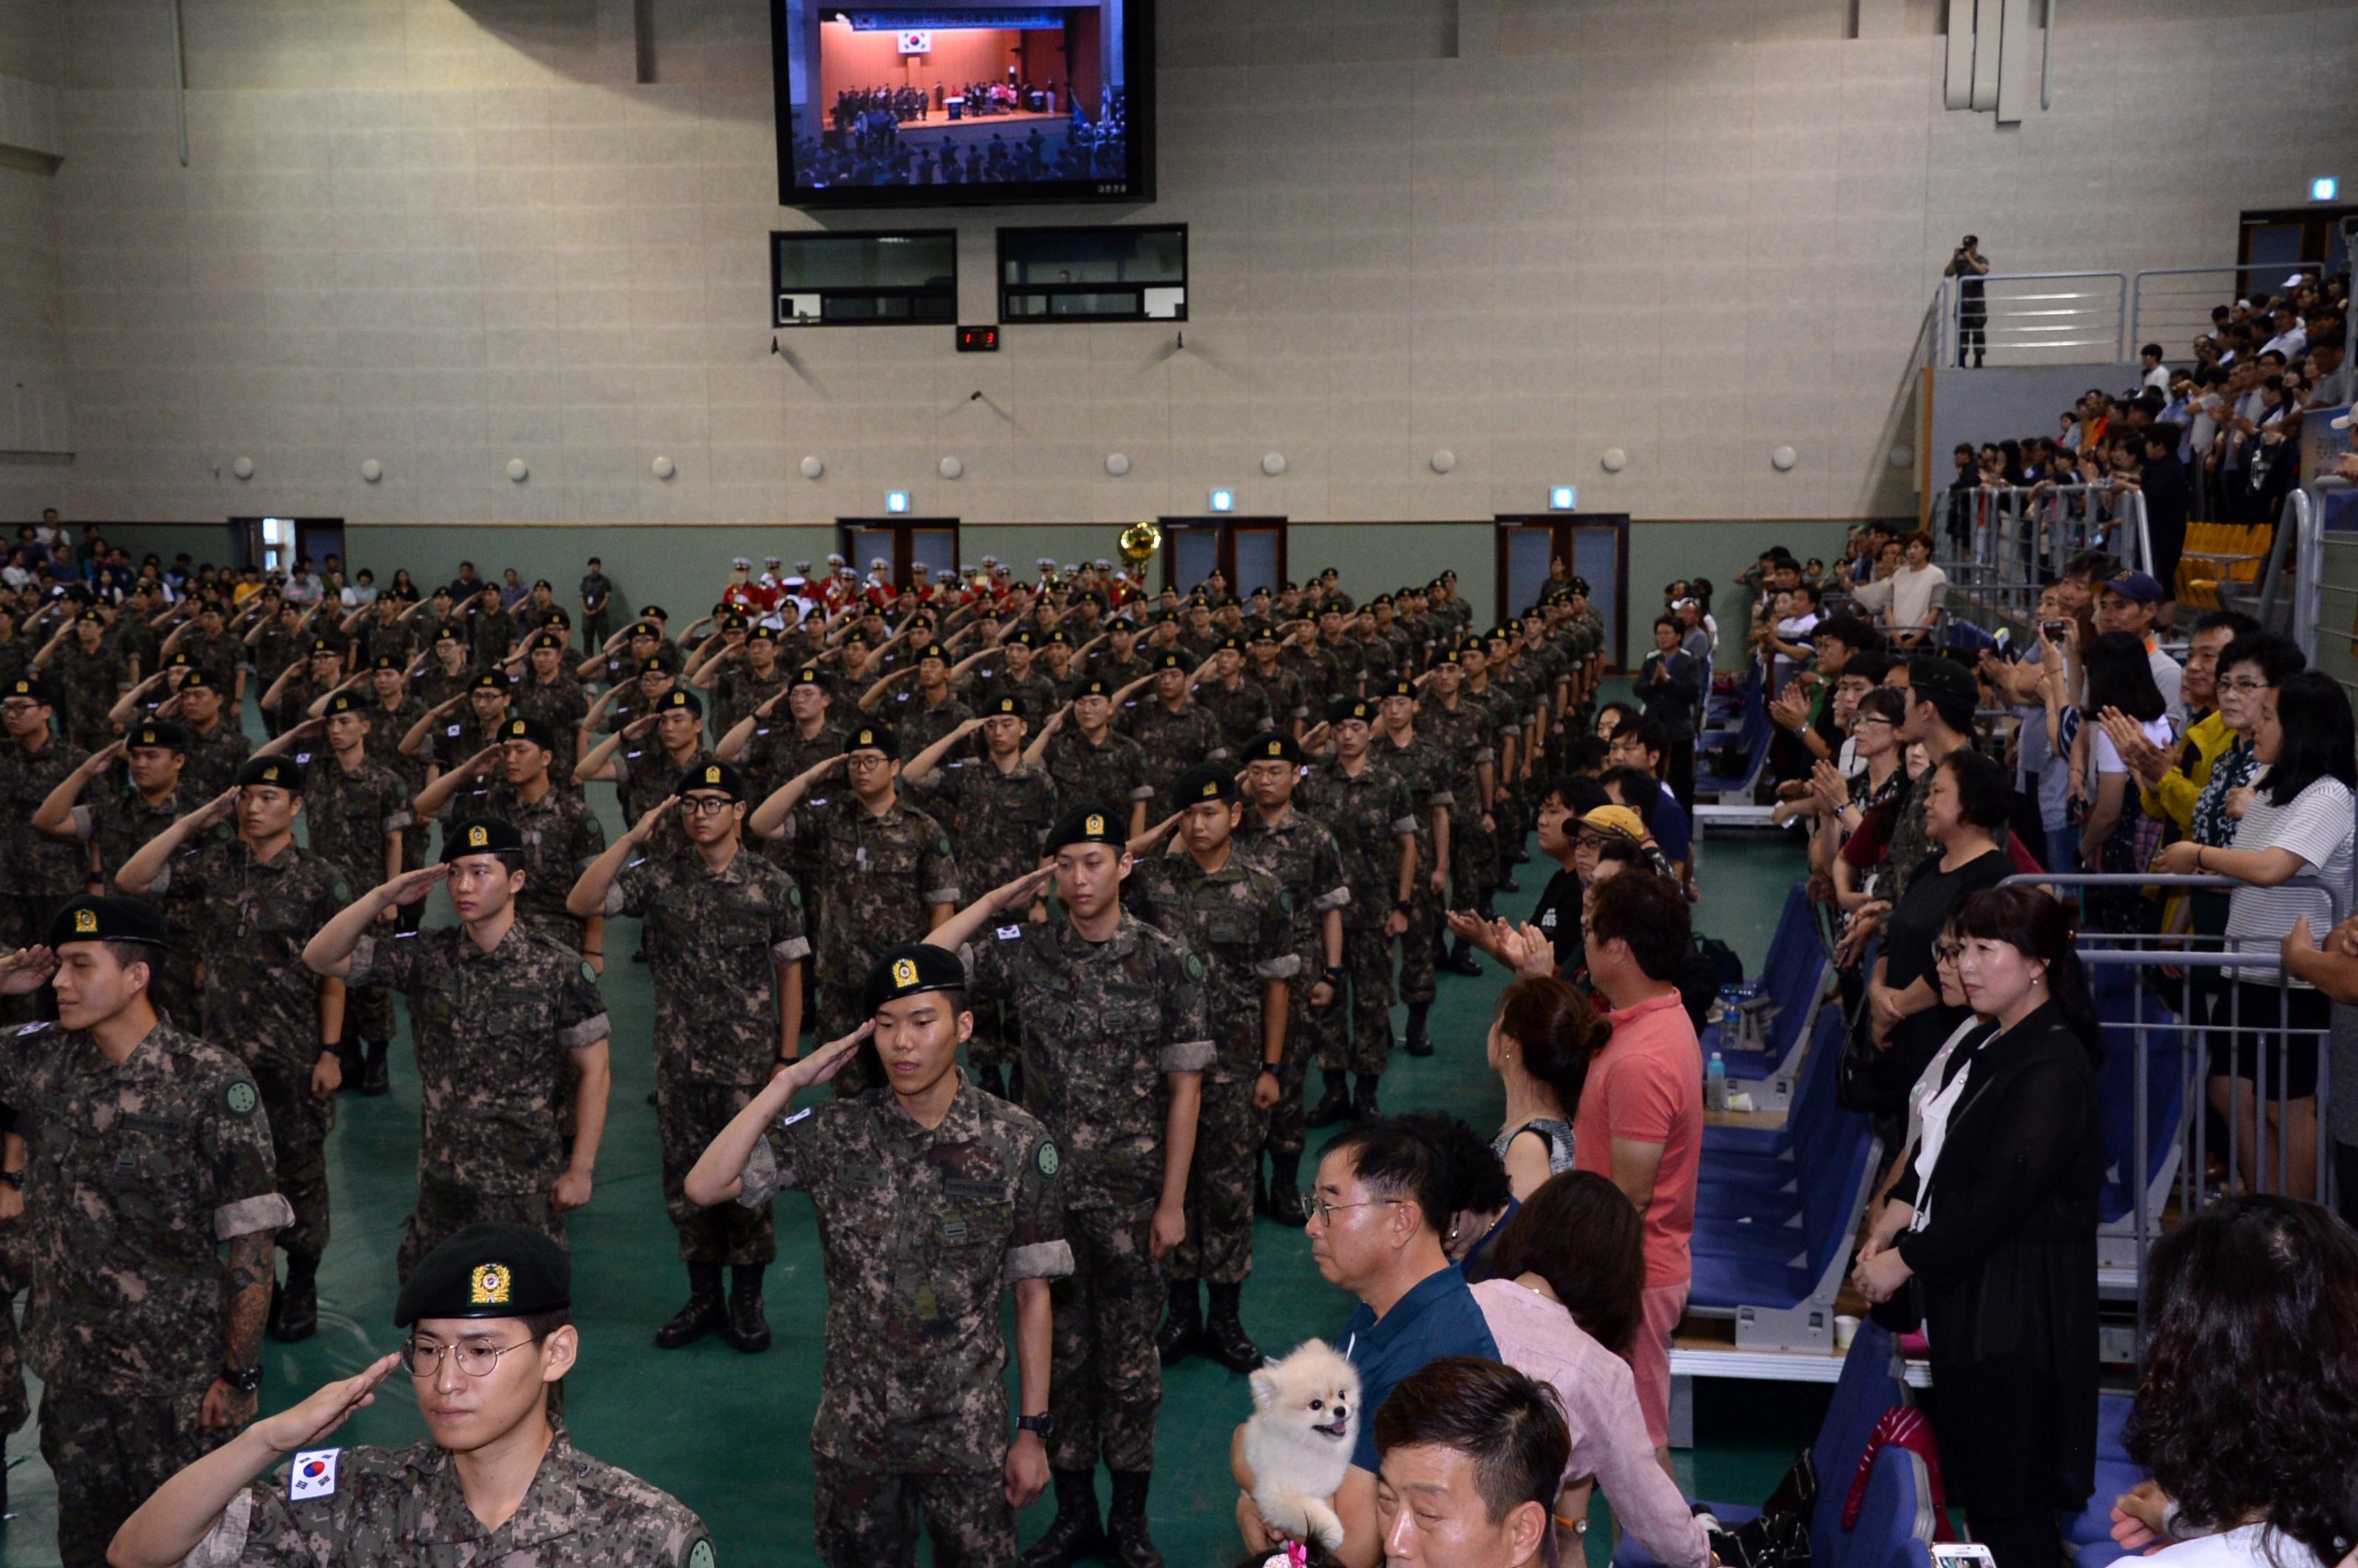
1714, 1084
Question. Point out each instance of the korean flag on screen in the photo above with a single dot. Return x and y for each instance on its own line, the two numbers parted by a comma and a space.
916, 40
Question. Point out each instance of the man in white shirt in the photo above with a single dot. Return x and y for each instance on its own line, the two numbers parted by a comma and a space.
2157, 374
2290, 340
1910, 599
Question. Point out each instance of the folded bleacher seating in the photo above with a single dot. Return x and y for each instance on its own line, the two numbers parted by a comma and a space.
1766, 1024
1752, 728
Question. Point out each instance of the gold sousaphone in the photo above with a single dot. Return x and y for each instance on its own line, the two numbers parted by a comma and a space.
1138, 544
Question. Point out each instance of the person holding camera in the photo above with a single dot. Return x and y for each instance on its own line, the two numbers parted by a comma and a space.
1969, 266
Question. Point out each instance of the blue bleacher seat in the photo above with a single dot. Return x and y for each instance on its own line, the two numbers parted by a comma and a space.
1751, 732
2120, 1004
1790, 982
1869, 1386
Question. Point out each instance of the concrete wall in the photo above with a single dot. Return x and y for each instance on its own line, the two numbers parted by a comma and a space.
34, 424
444, 236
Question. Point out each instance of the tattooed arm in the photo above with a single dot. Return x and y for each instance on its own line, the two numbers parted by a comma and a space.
246, 1280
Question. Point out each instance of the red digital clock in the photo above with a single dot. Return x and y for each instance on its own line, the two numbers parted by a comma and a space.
978, 339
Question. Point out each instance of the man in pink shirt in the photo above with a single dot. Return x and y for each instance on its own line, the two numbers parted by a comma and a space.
1641, 1117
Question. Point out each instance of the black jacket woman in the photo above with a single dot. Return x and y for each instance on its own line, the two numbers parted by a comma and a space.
1995, 1221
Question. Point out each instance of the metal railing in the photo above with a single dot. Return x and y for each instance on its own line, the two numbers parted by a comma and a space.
2008, 542
2167, 995
2305, 510
2034, 317
2171, 304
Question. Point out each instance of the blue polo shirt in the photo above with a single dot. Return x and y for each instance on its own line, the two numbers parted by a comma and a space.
1440, 1318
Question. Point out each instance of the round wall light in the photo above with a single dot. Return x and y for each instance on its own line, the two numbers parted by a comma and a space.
952, 467
664, 468
1116, 464
1444, 460
1784, 457
517, 471
1274, 464
372, 469
1613, 460
812, 468
243, 467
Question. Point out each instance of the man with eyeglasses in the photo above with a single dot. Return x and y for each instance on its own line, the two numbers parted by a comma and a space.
139, 1151
641, 773
1379, 1191
497, 1479
885, 873
37, 871
493, 1011
725, 942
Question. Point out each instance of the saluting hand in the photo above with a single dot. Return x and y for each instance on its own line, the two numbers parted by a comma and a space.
653, 818
328, 1407
411, 886
27, 969
827, 1061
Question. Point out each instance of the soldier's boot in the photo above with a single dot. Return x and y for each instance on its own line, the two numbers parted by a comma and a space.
295, 1305
1335, 1105
1461, 960
1419, 1042
1363, 1102
1073, 1535
701, 1315
746, 1328
1505, 882
1182, 1334
1126, 1521
1441, 948
351, 1057
376, 1076
1225, 1339
1286, 1203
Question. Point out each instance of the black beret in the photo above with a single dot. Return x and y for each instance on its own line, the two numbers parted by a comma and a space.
548, 640
343, 702
680, 697
1451, 655
26, 686
1093, 686
449, 633
1204, 781
809, 674
872, 737
388, 662
1006, 705
656, 613
644, 629
1021, 639
1232, 643
286, 773
763, 632
720, 776
932, 651
92, 919
160, 733
732, 623
324, 645
480, 836
1400, 688
1358, 707
912, 967
1089, 825
490, 680
492, 1269
531, 730
195, 680
1173, 662
1266, 634
1275, 746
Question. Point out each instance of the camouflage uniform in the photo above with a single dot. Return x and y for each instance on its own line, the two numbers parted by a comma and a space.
1369, 815
919, 723
1173, 739
559, 706
714, 941
88, 682
118, 821
1427, 771
1114, 773
877, 875
1380, 660
1301, 853
1242, 712
253, 918
561, 835
1119, 673
644, 775
37, 873
1103, 1024
214, 755
400, 1506
386, 727
775, 753
136, 1174
351, 814
1283, 690
493, 1032
920, 1229
737, 690
220, 656
996, 821
1035, 689
1463, 734
1320, 675
1238, 922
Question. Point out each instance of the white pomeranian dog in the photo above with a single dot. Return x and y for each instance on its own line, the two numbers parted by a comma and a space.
1304, 1423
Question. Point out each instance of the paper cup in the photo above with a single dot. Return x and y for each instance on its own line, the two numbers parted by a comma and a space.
1845, 1330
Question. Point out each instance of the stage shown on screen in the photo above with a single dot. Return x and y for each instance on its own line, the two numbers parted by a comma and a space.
976, 102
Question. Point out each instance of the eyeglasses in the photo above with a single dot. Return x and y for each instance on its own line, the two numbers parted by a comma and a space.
1323, 1212
2244, 684
1948, 952
705, 805
1864, 719
475, 1359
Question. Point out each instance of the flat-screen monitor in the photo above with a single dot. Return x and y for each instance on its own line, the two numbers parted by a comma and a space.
965, 104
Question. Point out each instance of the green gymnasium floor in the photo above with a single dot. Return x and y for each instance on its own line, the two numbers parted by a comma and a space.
729, 1434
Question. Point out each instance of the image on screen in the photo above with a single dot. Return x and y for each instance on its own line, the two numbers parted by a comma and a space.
964, 104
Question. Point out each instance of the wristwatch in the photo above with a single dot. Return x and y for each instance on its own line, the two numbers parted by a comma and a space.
245, 1382
1271, 1068
13, 1178
1044, 1424
1405, 905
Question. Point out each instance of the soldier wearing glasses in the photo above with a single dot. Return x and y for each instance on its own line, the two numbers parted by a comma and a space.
497, 1480
725, 941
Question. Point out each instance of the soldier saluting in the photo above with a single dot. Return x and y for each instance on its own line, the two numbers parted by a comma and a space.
497, 1480
932, 1196
146, 1148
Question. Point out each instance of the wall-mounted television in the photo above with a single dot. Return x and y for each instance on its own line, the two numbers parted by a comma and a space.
972, 104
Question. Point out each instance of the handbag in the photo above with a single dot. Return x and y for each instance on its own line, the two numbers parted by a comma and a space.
1779, 1538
